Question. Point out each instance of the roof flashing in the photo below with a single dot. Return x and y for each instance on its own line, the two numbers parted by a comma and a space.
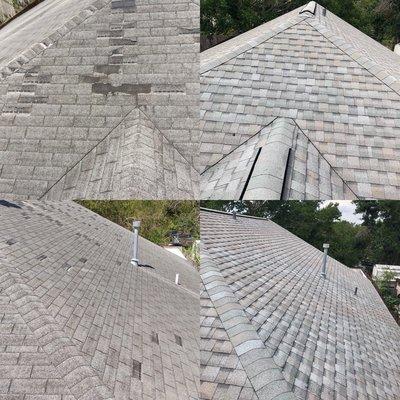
311, 8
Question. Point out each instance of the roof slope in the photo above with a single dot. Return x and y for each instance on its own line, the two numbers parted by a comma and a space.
296, 334
79, 320
300, 67
279, 162
68, 85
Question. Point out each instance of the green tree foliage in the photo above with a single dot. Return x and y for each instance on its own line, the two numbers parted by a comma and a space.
385, 287
382, 219
379, 19
158, 218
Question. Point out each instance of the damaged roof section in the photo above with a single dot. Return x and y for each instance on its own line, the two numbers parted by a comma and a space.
278, 163
67, 86
78, 319
289, 332
340, 87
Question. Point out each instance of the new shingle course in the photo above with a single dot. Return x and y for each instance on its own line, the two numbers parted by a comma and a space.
346, 104
67, 94
81, 299
326, 341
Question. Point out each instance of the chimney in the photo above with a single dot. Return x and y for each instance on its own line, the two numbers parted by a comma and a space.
397, 49
326, 247
135, 250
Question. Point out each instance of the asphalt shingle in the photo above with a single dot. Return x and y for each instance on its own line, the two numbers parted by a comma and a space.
73, 307
309, 337
300, 67
68, 86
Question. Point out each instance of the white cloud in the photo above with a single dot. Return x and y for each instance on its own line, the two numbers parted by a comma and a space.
348, 209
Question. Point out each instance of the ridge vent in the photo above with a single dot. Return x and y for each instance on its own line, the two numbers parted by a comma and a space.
311, 8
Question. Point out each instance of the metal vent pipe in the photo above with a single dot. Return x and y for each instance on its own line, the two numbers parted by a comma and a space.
135, 249
326, 247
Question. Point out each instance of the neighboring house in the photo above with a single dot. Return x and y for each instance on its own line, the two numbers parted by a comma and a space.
273, 328
379, 270
302, 107
100, 99
79, 321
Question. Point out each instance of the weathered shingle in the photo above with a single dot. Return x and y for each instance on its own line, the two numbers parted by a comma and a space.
73, 301
68, 86
296, 334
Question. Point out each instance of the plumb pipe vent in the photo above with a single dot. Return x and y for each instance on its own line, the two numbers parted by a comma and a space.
397, 49
326, 247
234, 214
135, 249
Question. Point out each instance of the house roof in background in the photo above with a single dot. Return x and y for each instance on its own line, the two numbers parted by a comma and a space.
85, 84
78, 320
379, 269
273, 328
340, 87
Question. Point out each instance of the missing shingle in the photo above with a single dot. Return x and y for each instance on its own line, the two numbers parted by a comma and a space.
136, 369
154, 337
83, 260
41, 257
10, 242
116, 4
324, 12
178, 340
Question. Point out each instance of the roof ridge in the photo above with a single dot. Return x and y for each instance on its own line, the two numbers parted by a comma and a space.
274, 137
256, 359
365, 62
115, 130
79, 376
37, 48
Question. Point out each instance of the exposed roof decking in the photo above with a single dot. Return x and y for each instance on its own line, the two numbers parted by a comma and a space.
345, 104
327, 341
78, 266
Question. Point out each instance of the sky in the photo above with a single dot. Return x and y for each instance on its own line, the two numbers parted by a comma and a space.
347, 208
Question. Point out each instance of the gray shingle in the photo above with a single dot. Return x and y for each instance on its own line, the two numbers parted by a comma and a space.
320, 341
74, 306
96, 65
325, 75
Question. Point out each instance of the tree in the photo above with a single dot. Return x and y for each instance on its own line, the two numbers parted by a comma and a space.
379, 19
384, 285
382, 219
158, 218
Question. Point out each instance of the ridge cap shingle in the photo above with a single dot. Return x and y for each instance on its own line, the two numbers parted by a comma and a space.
265, 376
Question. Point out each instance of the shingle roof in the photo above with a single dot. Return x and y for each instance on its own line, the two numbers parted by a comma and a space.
340, 87
293, 334
79, 321
75, 75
